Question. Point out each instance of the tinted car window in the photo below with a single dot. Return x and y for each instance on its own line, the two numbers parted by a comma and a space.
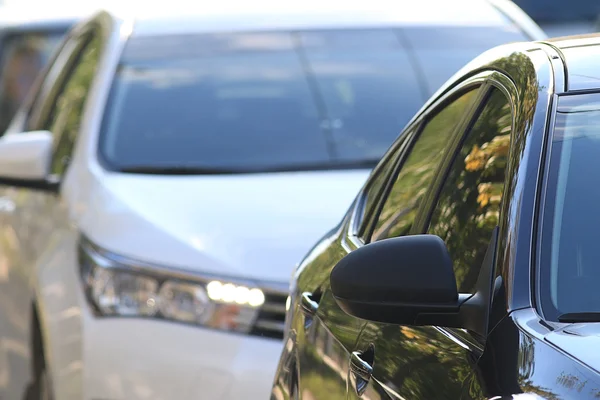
375, 186
256, 101
570, 250
417, 172
469, 204
263, 101
21, 59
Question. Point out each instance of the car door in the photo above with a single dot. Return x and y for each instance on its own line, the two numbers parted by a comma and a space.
462, 206
329, 334
325, 334
33, 221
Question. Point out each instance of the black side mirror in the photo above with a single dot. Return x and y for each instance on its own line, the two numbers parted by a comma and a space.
410, 281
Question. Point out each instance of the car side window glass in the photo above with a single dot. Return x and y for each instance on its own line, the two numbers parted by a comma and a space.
417, 172
65, 115
468, 207
374, 188
22, 58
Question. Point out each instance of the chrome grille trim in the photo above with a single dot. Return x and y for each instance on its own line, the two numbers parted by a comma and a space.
270, 321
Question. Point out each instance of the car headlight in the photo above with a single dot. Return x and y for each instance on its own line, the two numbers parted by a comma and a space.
116, 287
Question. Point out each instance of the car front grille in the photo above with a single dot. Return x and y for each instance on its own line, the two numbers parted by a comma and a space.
271, 317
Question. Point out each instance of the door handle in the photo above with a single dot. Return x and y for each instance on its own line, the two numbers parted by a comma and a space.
361, 371
309, 306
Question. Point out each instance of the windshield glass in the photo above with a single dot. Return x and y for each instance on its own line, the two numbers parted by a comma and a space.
22, 57
274, 101
560, 10
570, 257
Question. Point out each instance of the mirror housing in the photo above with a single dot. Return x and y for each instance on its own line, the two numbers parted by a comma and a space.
410, 280
396, 280
25, 159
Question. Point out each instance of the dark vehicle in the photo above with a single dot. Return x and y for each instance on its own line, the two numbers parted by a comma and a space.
26, 44
467, 267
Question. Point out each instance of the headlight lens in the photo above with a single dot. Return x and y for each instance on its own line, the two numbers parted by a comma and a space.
116, 290
184, 302
122, 293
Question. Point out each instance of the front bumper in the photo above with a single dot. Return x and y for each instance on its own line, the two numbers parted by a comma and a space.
136, 359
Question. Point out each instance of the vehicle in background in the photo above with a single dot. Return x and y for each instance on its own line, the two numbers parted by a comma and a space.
27, 40
474, 274
161, 183
563, 18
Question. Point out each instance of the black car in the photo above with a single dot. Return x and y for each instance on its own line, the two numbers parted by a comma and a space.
468, 266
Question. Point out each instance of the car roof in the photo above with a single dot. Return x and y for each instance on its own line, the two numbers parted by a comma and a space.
581, 56
235, 15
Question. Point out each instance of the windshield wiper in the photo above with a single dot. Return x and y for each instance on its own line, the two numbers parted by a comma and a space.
177, 170
579, 317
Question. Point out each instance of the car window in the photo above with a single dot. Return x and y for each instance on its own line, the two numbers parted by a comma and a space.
258, 101
469, 203
418, 170
374, 188
22, 57
269, 101
569, 271
67, 105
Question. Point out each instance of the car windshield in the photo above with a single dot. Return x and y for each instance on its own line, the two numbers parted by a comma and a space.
570, 245
560, 10
22, 57
254, 102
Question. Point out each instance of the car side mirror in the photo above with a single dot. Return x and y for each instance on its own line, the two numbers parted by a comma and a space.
25, 159
410, 280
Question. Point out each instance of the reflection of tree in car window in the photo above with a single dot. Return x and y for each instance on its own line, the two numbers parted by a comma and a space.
399, 211
469, 206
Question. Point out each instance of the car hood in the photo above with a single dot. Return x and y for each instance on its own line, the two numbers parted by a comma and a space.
580, 341
256, 226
